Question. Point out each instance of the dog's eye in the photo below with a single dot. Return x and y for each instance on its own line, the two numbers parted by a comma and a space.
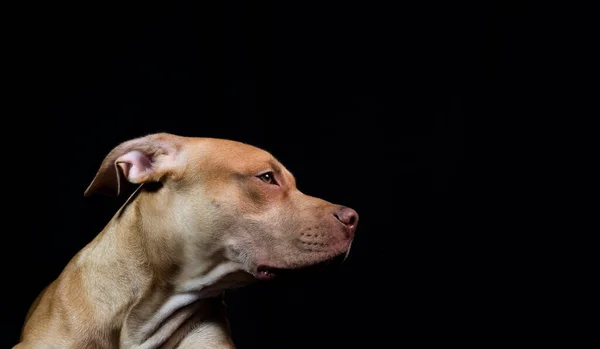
268, 178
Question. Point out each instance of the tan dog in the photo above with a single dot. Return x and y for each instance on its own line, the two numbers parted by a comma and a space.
211, 214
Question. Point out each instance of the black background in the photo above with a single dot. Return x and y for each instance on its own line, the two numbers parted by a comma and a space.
364, 102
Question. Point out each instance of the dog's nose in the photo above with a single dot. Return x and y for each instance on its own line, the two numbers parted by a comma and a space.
348, 217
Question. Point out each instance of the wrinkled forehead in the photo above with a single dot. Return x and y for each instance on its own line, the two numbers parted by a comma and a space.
232, 156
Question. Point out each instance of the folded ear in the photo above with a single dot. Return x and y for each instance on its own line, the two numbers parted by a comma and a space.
141, 160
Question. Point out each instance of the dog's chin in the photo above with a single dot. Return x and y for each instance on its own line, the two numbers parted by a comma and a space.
265, 272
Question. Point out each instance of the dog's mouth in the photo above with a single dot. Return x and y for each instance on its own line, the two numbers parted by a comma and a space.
266, 272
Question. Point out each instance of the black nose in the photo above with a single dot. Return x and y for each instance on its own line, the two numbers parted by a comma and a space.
349, 217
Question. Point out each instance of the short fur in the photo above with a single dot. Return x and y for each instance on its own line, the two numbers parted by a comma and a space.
204, 219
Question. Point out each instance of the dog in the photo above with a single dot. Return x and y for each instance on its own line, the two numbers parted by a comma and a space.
207, 215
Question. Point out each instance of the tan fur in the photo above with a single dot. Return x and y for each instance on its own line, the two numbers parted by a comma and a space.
154, 275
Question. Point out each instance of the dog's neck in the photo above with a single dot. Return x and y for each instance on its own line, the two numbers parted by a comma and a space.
159, 298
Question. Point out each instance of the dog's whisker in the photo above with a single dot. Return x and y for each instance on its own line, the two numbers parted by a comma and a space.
347, 252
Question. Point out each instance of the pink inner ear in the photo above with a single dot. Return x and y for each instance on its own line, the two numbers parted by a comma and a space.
136, 166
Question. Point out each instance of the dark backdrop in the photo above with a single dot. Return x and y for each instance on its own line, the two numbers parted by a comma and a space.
363, 102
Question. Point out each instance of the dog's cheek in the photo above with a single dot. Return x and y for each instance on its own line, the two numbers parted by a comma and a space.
251, 199
257, 197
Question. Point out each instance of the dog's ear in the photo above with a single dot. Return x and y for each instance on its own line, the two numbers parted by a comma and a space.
141, 160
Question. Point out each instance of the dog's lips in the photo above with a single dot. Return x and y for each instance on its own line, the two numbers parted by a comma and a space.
266, 272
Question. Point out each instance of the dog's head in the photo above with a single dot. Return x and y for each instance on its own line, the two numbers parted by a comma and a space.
231, 199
